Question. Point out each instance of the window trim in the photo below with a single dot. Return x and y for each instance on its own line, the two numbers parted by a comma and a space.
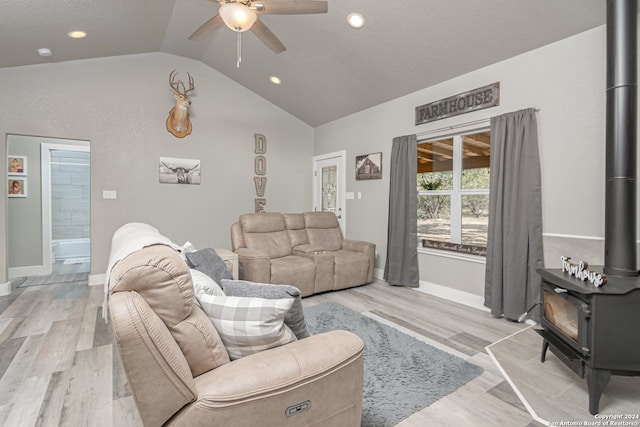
452, 254
457, 192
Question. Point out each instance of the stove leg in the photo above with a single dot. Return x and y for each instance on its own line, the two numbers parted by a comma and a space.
545, 347
597, 379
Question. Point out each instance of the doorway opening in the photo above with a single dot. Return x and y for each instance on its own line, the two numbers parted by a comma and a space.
49, 231
70, 206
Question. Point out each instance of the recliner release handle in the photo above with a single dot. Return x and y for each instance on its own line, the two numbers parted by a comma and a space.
296, 409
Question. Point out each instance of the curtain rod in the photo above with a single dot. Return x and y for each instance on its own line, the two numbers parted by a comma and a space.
461, 125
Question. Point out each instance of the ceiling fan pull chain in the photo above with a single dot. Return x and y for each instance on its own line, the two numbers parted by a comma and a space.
239, 50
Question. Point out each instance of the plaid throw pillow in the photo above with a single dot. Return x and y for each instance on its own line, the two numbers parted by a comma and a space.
294, 318
248, 325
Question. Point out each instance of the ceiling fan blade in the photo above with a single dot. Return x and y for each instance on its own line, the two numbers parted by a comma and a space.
207, 28
267, 37
290, 7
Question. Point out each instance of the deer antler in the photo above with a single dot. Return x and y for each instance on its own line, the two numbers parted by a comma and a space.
177, 85
191, 85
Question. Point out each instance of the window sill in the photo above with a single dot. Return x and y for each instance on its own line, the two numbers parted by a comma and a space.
453, 255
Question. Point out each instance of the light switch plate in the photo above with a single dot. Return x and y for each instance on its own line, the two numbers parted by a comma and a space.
109, 194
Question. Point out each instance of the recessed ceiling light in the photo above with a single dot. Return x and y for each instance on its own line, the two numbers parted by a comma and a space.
77, 34
45, 51
275, 80
355, 20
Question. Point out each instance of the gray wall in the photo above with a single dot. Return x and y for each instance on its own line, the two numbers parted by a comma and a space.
120, 105
566, 81
24, 214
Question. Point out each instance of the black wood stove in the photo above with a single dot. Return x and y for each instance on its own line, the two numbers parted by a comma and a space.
601, 333
596, 330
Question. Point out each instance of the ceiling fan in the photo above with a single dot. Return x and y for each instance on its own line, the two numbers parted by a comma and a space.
241, 15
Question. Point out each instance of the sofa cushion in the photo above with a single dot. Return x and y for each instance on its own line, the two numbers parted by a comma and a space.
275, 244
209, 262
294, 318
351, 269
248, 325
296, 230
160, 275
266, 222
294, 270
323, 229
266, 232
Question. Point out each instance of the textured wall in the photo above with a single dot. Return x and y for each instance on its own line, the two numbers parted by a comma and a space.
565, 80
120, 105
25, 221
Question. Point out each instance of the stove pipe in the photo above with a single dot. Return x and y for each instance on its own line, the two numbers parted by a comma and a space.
621, 138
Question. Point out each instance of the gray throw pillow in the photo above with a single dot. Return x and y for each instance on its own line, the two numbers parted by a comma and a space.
209, 262
294, 318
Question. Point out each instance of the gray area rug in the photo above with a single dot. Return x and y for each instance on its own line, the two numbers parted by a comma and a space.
402, 374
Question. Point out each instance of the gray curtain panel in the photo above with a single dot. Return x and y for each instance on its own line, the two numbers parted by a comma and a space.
401, 266
514, 247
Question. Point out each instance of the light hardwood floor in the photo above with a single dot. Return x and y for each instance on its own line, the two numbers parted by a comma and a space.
58, 365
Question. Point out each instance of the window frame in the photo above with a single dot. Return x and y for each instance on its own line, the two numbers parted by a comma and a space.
456, 194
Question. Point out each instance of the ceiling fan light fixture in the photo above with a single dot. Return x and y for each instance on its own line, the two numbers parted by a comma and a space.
237, 16
355, 20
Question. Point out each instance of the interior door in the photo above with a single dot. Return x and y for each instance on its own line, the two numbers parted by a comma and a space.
329, 185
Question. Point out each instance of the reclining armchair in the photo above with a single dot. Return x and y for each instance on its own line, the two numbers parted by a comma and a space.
181, 375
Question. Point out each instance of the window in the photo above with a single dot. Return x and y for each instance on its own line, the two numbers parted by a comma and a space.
453, 192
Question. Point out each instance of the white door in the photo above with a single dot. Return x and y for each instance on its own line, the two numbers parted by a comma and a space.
329, 185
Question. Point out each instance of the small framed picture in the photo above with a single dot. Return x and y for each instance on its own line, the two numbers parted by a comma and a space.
17, 187
369, 166
179, 171
17, 165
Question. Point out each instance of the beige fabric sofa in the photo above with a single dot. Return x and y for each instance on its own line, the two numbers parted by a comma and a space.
305, 250
181, 375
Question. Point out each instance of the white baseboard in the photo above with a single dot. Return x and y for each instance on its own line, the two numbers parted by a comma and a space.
455, 295
5, 289
97, 279
31, 270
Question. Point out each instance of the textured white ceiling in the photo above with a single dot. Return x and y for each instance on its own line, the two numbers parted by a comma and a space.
329, 70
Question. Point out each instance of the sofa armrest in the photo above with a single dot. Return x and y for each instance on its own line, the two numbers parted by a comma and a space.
367, 248
286, 366
307, 382
358, 246
254, 266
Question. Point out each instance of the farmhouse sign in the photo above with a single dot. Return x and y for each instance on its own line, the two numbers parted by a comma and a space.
477, 99
582, 272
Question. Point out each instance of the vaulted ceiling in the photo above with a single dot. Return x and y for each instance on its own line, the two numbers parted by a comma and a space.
329, 69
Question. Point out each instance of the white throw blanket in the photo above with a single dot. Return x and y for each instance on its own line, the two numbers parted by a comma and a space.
126, 240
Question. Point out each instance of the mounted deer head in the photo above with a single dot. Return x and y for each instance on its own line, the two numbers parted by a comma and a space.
178, 122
